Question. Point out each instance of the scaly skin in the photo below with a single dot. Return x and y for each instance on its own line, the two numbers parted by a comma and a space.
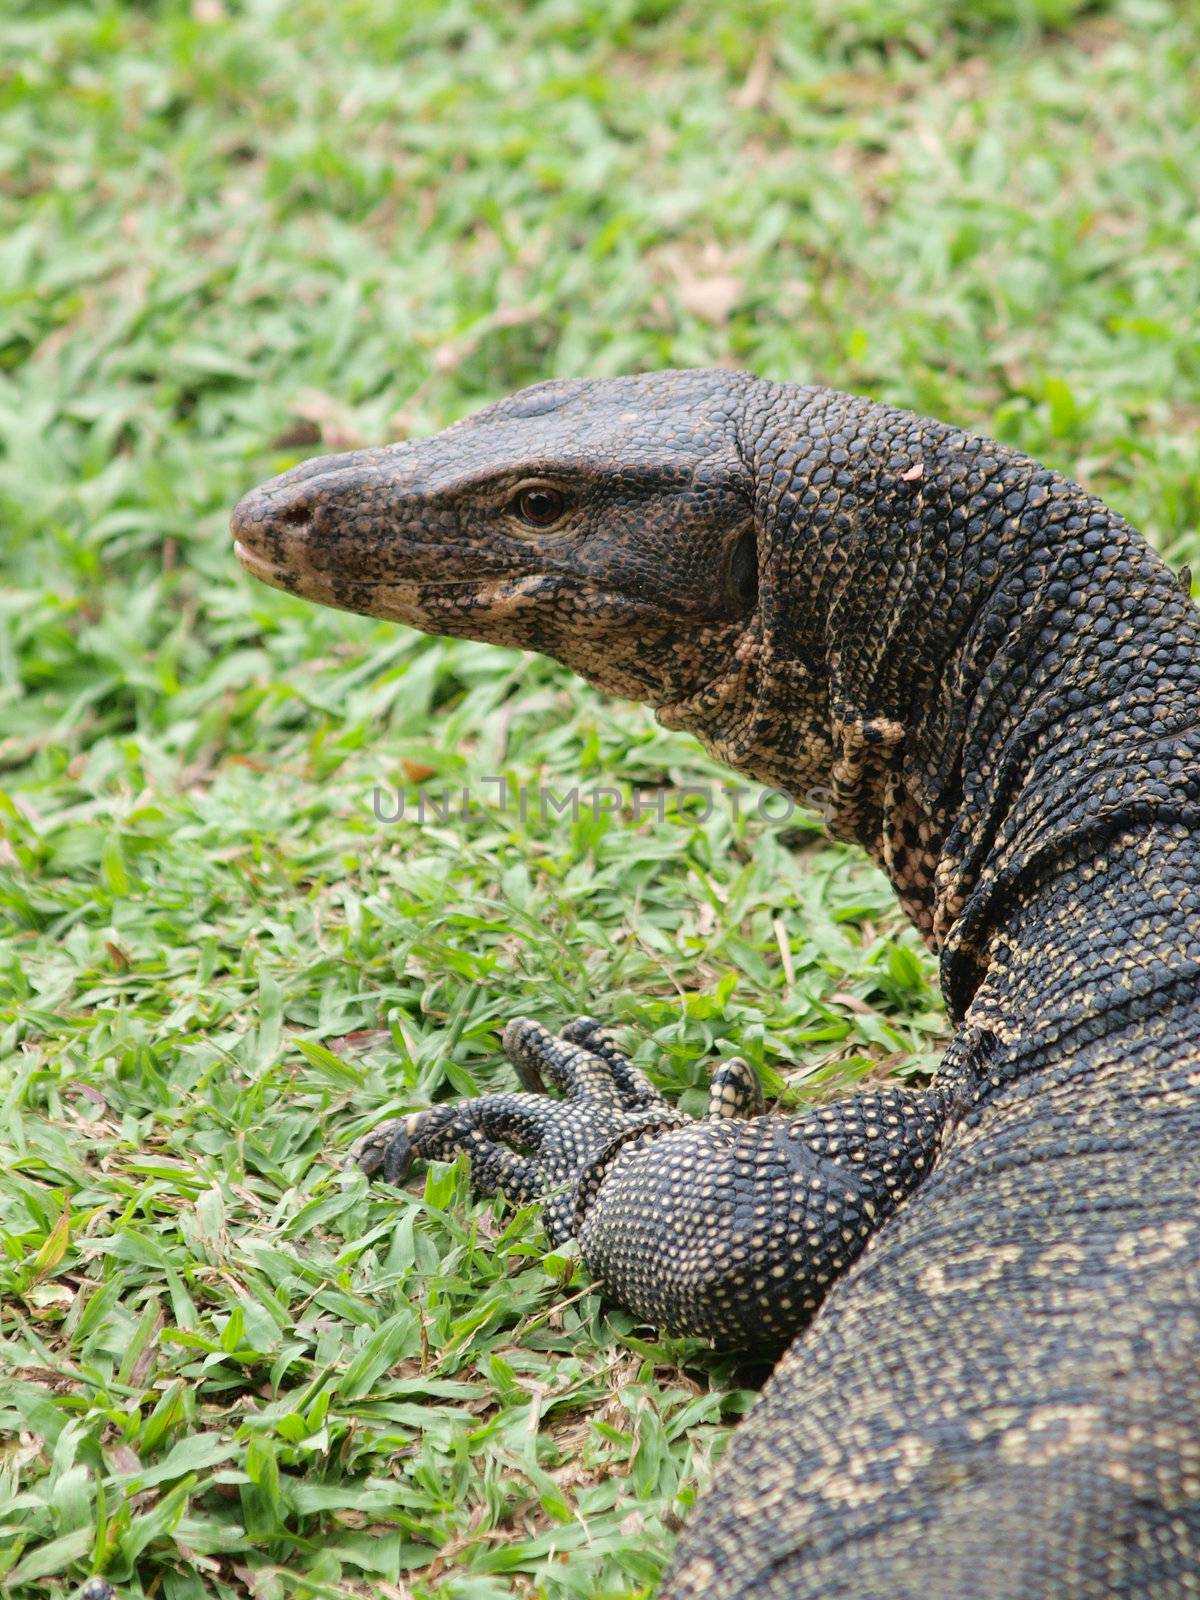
998, 684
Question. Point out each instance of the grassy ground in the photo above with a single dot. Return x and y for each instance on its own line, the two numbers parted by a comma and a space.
231, 235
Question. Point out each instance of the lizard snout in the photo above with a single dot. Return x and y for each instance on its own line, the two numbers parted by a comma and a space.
272, 526
279, 526
273, 533
267, 526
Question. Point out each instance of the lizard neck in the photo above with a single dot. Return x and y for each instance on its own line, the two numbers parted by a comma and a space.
1102, 944
988, 668
1081, 730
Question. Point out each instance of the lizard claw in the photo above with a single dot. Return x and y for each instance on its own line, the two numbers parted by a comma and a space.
386, 1150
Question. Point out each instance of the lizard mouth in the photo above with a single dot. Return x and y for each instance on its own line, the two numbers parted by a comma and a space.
429, 604
258, 566
304, 579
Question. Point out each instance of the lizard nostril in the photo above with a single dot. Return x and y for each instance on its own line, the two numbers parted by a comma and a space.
295, 515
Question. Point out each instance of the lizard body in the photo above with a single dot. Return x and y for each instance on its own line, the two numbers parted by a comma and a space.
991, 1287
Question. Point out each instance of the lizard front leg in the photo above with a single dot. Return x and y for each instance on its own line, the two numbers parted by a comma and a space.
735, 1231
722, 1228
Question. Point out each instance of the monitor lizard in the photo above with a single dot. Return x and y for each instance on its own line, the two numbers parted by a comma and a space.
989, 1289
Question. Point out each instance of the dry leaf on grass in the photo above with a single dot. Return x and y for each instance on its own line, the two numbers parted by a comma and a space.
707, 281
338, 429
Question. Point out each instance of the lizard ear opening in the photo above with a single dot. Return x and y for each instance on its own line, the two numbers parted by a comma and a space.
743, 571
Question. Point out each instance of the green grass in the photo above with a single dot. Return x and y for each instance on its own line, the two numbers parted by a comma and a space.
231, 235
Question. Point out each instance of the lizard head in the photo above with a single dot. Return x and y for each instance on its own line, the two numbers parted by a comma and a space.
609, 523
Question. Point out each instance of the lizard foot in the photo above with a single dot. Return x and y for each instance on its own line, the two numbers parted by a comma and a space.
527, 1145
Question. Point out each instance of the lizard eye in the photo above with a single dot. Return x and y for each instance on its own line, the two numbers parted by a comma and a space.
539, 507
